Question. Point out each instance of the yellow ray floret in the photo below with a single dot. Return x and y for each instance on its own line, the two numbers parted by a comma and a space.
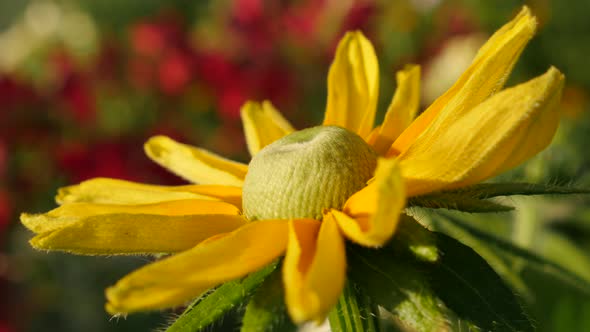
498, 134
353, 85
486, 76
194, 164
263, 124
180, 278
314, 269
115, 234
115, 191
401, 111
71, 213
371, 215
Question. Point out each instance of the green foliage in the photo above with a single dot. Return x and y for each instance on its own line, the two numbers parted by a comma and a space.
556, 298
459, 290
353, 312
209, 308
474, 198
266, 310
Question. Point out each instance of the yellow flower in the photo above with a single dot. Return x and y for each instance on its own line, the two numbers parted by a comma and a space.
292, 204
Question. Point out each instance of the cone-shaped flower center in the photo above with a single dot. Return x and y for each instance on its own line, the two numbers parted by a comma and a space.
303, 173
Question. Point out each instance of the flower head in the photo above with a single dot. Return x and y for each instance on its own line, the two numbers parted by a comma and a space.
307, 191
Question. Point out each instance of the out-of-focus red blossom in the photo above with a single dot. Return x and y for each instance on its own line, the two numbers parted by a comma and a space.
4, 327
14, 93
359, 16
108, 61
175, 72
82, 161
5, 210
161, 52
255, 22
74, 89
153, 38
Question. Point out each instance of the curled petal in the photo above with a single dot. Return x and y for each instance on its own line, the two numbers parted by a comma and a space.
371, 215
194, 164
402, 110
497, 135
115, 191
263, 124
353, 85
71, 213
124, 234
182, 277
486, 76
314, 269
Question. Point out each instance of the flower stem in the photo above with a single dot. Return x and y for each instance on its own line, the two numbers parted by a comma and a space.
352, 312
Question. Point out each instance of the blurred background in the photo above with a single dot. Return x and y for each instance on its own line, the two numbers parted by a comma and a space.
84, 83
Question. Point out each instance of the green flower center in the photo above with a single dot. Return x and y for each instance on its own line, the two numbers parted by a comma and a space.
303, 173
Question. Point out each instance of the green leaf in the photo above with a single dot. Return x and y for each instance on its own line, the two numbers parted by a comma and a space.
534, 261
472, 289
266, 310
209, 308
457, 290
557, 299
488, 190
457, 201
353, 312
400, 287
474, 198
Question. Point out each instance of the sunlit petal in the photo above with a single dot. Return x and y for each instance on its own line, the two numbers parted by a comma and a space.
402, 110
115, 191
499, 134
112, 234
353, 85
194, 164
263, 124
371, 215
485, 77
74, 212
182, 277
314, 269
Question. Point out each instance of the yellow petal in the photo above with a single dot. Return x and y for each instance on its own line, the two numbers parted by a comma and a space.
229, 194
263, 124
114, 191
182, 277
112, 234
314, 270
371, 215
74, 212
486, 76
194, 164
499, 134
402, 110
353, 85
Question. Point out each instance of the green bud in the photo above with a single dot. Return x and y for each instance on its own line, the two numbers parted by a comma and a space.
306, 172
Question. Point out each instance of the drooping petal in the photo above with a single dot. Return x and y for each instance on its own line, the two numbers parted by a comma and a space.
402, 110
114, 191
314, 269
371, 215
113, 234
182, 277
228, 194
194, 164
71, 213
263, 124
486, 76
353, 85
499, 134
